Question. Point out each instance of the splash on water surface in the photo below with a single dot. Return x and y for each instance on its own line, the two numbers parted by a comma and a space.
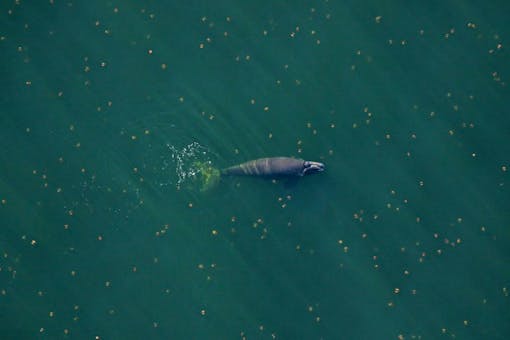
193, 167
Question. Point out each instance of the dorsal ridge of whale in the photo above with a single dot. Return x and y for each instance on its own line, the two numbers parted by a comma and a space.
274, 167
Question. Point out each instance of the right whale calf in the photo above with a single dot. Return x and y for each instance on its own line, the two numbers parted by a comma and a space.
274, 167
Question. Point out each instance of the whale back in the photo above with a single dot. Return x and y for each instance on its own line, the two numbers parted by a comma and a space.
273, 166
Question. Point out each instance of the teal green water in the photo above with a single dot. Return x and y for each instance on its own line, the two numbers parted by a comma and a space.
106, 106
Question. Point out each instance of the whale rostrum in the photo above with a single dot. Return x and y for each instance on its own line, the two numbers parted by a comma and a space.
274, 167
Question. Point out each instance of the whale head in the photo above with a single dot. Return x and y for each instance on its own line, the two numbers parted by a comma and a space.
310, 167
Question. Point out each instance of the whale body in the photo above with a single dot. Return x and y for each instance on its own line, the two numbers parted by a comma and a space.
274, 167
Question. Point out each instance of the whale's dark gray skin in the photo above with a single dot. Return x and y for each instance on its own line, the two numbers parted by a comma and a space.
274, 167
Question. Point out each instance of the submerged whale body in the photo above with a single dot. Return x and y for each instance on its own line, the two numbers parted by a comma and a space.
274, 167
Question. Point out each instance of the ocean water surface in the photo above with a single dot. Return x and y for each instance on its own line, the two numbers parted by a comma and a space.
107, 108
